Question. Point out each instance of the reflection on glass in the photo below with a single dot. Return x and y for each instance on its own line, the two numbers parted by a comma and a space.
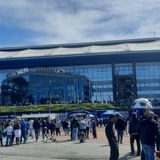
100, 77
59, 88
148, 75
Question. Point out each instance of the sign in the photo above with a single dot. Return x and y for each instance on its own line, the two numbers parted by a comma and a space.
33, 70
16, 73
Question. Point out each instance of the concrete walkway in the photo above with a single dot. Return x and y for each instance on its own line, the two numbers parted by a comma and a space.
64, 149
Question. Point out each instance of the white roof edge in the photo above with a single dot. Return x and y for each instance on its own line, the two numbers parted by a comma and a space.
129, 47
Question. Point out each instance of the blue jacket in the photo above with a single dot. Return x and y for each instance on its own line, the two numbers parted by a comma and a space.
24, 126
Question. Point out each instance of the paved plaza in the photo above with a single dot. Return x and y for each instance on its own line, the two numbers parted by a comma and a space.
64, 149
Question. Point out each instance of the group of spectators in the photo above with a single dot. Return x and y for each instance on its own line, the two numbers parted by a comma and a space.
145, 130
85, 125
20, 130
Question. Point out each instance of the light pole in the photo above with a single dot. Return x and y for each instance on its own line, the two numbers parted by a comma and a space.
14, 112
50, 98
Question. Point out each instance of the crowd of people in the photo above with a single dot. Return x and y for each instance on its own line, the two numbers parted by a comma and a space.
19, 130
145, 130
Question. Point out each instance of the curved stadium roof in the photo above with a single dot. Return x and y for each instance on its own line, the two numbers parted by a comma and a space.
108, 47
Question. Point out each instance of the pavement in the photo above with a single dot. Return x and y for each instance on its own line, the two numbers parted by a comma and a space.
64, 149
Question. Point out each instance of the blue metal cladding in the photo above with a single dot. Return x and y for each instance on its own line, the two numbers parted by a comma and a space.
74, 60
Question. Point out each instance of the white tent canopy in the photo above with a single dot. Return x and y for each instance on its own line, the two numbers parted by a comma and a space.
142, 103
40, 115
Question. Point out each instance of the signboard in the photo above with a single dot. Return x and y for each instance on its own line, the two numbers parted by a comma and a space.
33, 70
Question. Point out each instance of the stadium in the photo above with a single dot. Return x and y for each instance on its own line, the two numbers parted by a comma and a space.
115, 71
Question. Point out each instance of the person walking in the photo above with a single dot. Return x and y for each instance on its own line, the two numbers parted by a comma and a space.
9, 132
149, 130
58, 126
146, 111
112, 139
1, 134
53, 130
65, 127
31, 130
88, 126
120, 127
17, 132
82, 130
36, 127
24, 130
44, 130
74, 127
134, 135
94, 126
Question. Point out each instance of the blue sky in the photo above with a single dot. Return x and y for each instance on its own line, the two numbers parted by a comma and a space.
30, 22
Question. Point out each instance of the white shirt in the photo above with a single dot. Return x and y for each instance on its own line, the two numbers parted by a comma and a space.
31, 124
88, 123
9, 130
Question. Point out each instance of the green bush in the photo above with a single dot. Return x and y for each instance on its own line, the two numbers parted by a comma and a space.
59, 107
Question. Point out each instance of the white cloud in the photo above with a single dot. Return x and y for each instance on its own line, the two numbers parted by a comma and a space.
66, 21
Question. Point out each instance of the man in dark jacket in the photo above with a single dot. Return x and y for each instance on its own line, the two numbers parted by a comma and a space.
148, 130
112, 140
36, 127
134, 135
94, 130
74, 128
144, 116
120, 127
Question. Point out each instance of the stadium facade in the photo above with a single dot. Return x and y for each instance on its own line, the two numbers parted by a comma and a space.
118, 71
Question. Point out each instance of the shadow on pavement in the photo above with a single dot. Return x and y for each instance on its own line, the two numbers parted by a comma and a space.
62, 141
105, 145
128, 156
